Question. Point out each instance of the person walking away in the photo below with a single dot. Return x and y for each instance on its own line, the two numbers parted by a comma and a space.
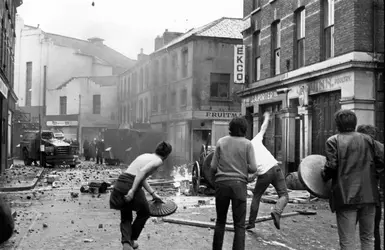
233, 160
86, 148
128, 196
351, 161
268, 173
100, 147
372, 131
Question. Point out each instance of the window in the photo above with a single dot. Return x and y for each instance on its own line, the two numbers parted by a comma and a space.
146, 110
328, 12
96, 104
128, 87
134, 84
183, 98
173, 100
256, 4
164, 70
219, 85
276, 47
141, 80
146, 77
163, 102
300, 16
28, 93
155, 103
155, 73
63, 105
141, 111
174, 67
185, 62
257, 55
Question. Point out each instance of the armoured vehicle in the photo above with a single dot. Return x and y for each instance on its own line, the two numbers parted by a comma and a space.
53, 151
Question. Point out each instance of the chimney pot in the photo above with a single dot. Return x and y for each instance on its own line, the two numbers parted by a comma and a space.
141, 51
166, 30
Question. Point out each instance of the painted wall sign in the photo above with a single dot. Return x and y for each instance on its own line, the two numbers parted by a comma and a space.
329, 83
3, 89
263, 97
239, 64
216, 115
62, 123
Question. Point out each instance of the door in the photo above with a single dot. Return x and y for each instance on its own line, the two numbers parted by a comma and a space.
323, 126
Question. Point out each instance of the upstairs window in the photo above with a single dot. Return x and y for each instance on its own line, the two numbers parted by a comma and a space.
164, 70
96, 104
146, 77
146, 110
141, 111
185, 63
155, 103
219, 85
63, 105
328, 12
141, 80
256, 4
257, 55
155, 74
163, 102
173, 100
300, 17
174, 67
183, 98
276, 48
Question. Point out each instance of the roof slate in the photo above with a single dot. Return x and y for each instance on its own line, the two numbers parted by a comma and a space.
224, 27
118, 61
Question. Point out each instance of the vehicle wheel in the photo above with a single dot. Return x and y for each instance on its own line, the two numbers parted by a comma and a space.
196, 178
72, 166
27, 160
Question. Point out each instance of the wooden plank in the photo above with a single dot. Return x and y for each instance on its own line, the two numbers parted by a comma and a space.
194, 223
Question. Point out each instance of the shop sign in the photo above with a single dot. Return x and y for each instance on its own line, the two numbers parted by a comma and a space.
263, 97
3, 88
181, 116
62, 123
330, 83
239, 64
216, 115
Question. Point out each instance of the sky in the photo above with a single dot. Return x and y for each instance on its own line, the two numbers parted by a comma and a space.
125, 25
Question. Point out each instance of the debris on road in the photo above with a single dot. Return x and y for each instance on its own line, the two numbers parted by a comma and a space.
74, 195
88, 240
45, 225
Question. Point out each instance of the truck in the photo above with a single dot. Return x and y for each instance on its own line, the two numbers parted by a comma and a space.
45, 148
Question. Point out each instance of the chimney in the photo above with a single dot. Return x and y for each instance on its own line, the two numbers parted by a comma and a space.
96, 40
158, 42
169, 36
141, 55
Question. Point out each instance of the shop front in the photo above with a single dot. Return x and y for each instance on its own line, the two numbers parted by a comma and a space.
68, 128
303, 112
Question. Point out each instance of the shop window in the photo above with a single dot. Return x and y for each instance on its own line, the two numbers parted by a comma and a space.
96, 104
219, 86
300, 16
185, 62
257, 55
28, 94
63, 105
155, 103
183, 98
276, 48
328, 16
256, 4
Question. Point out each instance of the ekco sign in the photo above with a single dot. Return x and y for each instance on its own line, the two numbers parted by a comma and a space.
239, 64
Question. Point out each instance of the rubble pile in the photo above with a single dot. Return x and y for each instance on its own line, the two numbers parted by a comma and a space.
19, 175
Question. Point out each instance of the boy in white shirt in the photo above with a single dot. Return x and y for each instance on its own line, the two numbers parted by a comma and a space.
268, 172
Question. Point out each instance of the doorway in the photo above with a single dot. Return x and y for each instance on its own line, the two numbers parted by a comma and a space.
249, 119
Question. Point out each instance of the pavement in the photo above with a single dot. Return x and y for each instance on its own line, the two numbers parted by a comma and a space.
50, 218
20, 177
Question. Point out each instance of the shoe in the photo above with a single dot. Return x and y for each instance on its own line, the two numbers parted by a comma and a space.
250, 226
127, 246
276, 218
134, 244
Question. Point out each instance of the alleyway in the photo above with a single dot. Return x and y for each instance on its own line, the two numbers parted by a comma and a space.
49, 218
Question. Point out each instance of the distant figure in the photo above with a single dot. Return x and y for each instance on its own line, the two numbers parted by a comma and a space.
93, 150
100, 147
86, 149
128, 195
351, 161
372, 131
233, 161
6, 221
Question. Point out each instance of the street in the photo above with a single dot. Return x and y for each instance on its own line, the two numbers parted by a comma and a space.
50, 218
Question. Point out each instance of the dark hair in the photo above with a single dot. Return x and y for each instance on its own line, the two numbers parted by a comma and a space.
163, 149
368, 130
238, 127
346, 120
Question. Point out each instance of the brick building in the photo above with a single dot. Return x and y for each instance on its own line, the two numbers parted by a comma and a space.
305, 60
8, 97
185, 88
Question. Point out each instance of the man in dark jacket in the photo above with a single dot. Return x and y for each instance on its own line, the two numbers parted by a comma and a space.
99, 151
86, 149
371, 131
351, 160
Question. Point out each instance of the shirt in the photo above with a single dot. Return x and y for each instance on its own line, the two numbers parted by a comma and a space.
232, 158
265, 160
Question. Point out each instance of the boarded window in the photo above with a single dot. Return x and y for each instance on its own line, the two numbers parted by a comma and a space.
96, 104
219, 85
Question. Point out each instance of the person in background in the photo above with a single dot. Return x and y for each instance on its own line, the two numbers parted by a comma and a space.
128, 195
268, 173
351, 161
86, 149
93, 150
371, 131
100, 147
233, 160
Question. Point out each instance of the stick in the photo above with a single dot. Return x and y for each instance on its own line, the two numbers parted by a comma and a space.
266, 218
194, 223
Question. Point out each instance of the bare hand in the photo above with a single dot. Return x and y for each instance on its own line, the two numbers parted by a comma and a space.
155, 196
129, 196
266, 114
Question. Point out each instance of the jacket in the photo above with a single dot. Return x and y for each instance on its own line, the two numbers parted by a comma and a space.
351, 162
